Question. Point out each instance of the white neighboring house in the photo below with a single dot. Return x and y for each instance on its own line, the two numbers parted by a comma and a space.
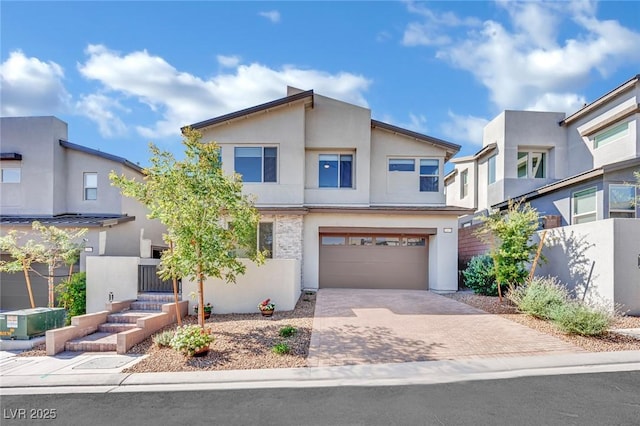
46, 178
345, 201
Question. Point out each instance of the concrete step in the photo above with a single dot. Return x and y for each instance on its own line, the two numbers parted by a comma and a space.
96, 342
130, 317
157, 297
147, 306
115, 327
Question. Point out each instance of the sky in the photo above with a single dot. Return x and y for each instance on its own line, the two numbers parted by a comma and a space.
123, 74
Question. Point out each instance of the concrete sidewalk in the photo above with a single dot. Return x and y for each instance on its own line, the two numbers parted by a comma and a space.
101, 373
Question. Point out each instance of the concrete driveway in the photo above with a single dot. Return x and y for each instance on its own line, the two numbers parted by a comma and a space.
387, 326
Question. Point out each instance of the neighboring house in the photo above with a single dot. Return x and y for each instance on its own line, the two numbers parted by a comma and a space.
357, 203
577, 168
46, 178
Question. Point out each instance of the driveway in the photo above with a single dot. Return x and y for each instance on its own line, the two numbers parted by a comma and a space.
387, 326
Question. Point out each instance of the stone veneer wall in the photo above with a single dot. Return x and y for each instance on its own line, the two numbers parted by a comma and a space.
287, 232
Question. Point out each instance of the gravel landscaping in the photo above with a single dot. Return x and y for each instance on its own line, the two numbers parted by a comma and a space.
606, 343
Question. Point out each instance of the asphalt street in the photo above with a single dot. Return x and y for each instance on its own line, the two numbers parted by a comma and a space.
578, 399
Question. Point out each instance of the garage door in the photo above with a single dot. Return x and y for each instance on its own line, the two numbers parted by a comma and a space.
373, 261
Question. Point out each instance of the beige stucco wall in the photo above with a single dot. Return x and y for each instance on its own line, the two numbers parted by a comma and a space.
443, 247
117, 274
402, 188
277, 279
453, 186
333, 126
283, 128
597, 260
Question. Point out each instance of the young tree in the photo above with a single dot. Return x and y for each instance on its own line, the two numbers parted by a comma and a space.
206, 215
23, 256
510, 237
59, 248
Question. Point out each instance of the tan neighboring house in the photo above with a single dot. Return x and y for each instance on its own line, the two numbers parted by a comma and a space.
345, 201
46, 178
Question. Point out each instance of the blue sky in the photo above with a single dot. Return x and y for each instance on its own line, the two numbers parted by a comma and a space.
122, 74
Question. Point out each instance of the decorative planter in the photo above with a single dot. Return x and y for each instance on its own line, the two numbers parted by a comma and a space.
266, 312
202, 351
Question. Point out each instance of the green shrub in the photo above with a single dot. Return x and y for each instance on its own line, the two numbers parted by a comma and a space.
287, 331
72, 295
578, 318
539, 297
163, 339
281, 349
480, 276
189, 339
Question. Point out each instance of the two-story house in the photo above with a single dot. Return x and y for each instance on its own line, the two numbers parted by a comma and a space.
357, 202
46, 178
576, 169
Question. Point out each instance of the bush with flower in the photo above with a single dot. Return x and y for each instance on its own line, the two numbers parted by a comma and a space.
190, 339
266, 305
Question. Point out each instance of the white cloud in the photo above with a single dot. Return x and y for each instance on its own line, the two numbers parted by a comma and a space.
29, 86
99, 108
431, 30
524, 63
464, 128
181, 98
228, 61
272, 15
417, 123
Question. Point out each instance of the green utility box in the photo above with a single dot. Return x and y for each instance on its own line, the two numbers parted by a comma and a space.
27, 323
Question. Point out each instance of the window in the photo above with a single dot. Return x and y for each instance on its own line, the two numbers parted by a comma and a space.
256, 164
464, 183
360, 241
11, 175
402, 165
389, 241
610, 135
532, 165
90, 186
329, 240
491, 172
335, 171
265, 238
584, 206
622, 201
429, 175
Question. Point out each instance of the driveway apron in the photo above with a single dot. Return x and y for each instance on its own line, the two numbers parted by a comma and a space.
388, 326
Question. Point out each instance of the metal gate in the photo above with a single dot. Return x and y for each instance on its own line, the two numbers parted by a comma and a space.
150, 282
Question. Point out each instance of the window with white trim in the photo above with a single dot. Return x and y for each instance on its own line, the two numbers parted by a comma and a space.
584, 207
11, 175
532, 165
611, 134
256, 164
464, 183
622, 201
335, 171
90, 186
402, 165
429, 175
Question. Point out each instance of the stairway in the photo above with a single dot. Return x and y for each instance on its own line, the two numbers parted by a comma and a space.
104, 339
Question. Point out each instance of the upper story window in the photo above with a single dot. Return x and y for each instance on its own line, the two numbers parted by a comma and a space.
402, 165
464, 183
532, 165
584, 206
335, 171
256, 163
90, 186
491, 169
611, 134
11, 175
429, 175
622, 201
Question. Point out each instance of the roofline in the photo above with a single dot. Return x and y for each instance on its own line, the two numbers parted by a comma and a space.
12, 156
68, 220
404, 210
454, 148
101, 154
450, 175
581, 177
252, 110
601, 100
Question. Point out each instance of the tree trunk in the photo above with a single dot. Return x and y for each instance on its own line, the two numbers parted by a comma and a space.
28, 280
50, 281
200, 290
175, 291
